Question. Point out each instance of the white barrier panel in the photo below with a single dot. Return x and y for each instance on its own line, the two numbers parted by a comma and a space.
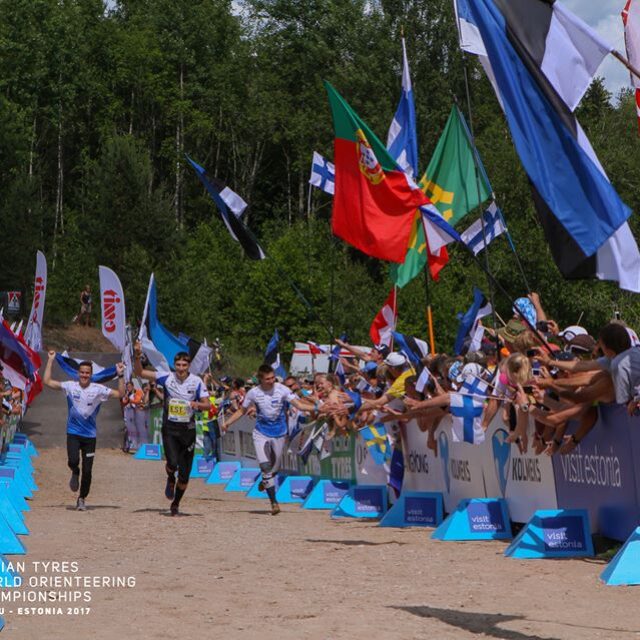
460, 466
422, 470
525, 480
367, 471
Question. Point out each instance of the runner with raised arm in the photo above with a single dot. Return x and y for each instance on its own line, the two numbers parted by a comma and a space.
84, 399
184, 394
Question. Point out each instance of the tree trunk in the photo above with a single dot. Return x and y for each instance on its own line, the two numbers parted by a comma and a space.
59, 215
179, 154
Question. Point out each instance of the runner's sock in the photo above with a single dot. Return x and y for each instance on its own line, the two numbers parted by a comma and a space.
271, 492
179, 494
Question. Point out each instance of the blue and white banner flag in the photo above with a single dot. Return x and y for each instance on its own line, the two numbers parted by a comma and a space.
480, 308
540, 59
474, 236
402, 139
323, 174
272, 355
71, 366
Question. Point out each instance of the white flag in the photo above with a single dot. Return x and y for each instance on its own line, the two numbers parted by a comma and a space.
114, 326
33, 332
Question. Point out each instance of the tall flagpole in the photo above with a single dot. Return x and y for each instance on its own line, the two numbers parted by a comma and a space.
432, 340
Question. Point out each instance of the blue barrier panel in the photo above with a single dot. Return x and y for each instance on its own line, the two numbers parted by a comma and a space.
599, 476
415, 509
15, 495
243, 479
222, 472
294, 489
476, 519
624, 568
9, 542
255, 492
12, 474
326, 494
12, 515
149, 452
201, 467
554, 533
366, 501
23, 462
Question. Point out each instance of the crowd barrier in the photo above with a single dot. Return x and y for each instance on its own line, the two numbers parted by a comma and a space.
599, 475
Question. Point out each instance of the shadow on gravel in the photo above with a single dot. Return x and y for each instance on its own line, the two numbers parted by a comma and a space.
355, 543
485, 624
94, 507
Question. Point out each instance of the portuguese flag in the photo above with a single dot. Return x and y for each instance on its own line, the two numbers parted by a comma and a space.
374, 203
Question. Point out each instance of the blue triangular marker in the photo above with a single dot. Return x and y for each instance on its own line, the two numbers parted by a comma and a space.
294, 489
11, 474
366, 501
624, 567
326, 494
16, 497
11, 514
9, 542
243, 479
415, 509
222, 472
149, 452
22, 438
201, 467
476, 519
8, 575
256, 494
556, 533
28, 483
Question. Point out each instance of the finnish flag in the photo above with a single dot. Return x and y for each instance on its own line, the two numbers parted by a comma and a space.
402, 140
323, 174
474, 236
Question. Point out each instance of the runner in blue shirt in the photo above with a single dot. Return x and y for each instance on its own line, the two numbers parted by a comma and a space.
83, 399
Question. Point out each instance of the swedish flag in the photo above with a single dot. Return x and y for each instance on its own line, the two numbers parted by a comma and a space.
377, 441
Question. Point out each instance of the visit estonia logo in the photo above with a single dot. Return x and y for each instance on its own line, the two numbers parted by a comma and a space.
501, 456
443, 447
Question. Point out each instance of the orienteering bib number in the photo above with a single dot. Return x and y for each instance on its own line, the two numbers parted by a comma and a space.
179, 411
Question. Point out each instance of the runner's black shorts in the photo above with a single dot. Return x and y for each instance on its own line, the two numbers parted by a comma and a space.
179, 442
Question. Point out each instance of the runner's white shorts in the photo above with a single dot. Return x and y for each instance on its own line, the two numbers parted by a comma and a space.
269, 450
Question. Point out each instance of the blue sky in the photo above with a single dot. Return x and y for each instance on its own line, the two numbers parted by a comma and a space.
604, 17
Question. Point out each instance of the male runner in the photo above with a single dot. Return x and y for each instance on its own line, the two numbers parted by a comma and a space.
184, 394
84, 399
270, 399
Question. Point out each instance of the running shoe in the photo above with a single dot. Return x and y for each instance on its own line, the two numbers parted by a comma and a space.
174, 509
275, 509
74, 482
80, 505
170, 489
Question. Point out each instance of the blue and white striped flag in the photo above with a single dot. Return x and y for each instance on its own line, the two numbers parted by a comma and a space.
474, 237
402, 139
323, 174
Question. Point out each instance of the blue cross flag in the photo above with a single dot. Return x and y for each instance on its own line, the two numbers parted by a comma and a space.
323, 174
466, 412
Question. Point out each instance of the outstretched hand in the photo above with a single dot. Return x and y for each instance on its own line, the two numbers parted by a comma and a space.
120, 368
51, 354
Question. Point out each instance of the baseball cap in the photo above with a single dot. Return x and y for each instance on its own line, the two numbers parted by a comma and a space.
582, 343
369, 367
571, 332
395, 359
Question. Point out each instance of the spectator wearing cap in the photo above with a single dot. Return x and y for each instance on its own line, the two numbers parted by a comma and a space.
398, 370
620, 360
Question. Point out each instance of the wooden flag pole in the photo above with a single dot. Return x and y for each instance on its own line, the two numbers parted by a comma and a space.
626, 63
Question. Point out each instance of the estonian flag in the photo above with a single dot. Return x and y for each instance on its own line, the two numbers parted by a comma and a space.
272, 355
227, 202
71, 365
414, 348
469, 321
541, 59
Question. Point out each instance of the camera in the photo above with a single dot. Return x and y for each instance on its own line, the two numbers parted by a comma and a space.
543, 326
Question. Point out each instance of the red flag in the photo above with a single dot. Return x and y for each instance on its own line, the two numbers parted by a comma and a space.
375, 202
384, 324
437, 262
631, 21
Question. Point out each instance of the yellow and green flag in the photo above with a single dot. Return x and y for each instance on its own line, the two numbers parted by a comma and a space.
451, 184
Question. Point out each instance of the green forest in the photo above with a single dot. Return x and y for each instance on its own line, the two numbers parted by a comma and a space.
100, 103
